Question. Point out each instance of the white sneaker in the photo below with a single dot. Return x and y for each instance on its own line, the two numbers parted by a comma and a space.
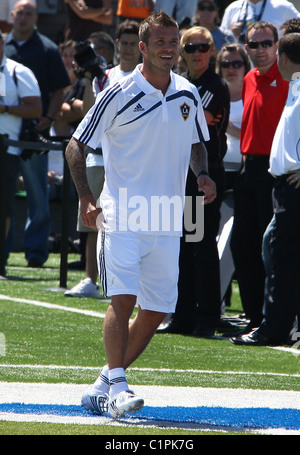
95, 401
125, 401
86, 288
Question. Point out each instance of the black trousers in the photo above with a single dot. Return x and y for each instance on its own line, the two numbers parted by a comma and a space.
12, 172
252, 214
282, 256
199, 300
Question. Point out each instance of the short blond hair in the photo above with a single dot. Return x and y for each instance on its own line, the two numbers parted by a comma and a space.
159, 19
196, 31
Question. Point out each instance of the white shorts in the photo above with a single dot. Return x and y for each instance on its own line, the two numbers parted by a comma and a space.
142, 265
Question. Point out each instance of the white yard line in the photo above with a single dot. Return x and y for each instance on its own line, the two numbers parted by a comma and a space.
70, 394
157, 370
53, 306
160, 396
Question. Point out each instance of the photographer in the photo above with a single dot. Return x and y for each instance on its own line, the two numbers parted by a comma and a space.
129, 54
70, 113
83, 64
95, 58
92, 58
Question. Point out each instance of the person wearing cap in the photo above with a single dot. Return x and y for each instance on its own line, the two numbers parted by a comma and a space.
20, 97
240, 14
207, 15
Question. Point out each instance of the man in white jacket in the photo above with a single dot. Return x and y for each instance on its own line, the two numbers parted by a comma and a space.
239, 15
19, 98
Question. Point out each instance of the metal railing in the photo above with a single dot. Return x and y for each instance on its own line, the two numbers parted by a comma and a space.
59, 144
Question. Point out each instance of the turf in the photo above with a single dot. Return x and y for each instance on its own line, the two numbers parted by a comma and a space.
51, 429
44, 336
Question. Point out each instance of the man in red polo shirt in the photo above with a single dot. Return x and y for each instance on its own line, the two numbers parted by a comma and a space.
264, 96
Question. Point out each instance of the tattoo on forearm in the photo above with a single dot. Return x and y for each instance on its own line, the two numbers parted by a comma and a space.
198, 161
76, 161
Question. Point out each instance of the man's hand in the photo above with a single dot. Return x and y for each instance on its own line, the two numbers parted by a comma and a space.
237, 29
207, 186
211, 120
294, 178
88, 211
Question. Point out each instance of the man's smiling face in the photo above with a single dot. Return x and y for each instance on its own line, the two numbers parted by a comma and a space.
162, 49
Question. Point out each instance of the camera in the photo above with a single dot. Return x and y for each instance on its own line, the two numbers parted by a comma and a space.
88, 61
242, 38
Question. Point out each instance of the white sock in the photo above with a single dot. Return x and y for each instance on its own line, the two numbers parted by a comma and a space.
117, 380
102, 382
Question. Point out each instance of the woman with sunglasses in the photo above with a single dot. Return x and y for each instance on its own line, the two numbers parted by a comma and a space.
199, 302
232, 65
207, 15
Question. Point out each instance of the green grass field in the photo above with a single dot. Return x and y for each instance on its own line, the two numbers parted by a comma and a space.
37, 336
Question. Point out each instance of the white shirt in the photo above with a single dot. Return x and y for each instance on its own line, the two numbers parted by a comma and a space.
112, 75
146, 140
233, 154
285, 152
27, 86
276, 11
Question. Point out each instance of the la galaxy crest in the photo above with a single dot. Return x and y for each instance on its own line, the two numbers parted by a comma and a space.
185, 111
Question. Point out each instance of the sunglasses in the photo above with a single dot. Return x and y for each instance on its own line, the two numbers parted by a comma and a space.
206, 8
264, 44
235, 64
191, 48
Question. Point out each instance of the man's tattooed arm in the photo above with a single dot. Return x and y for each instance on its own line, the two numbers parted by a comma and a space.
198, 160
76, 161
199, 166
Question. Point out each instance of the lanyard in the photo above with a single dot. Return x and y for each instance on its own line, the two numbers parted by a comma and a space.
103, 81
257, 17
